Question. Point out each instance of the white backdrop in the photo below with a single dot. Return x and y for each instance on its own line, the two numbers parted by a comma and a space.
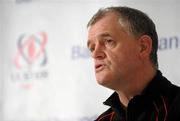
46, 73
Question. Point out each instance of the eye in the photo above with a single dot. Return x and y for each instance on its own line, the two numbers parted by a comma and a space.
109, 42
91, 48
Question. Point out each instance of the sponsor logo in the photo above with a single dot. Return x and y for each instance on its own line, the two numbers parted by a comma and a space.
79, 52
31, 59
169, 43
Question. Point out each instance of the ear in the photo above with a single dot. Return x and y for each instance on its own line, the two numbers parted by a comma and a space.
145, 43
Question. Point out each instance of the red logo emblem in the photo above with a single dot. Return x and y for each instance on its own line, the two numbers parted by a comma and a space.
31, 50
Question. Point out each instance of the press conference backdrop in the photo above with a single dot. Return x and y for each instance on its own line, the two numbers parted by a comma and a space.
46, 73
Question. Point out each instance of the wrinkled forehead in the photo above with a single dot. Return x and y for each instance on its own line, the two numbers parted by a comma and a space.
103, 26
111, 21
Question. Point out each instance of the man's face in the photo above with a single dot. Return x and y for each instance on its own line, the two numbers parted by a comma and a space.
114, 50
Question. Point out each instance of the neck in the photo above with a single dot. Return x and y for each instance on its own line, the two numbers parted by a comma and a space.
136, 85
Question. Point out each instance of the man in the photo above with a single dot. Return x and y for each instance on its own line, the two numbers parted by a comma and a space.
123, 43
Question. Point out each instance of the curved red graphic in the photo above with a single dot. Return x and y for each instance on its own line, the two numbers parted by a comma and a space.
31, 49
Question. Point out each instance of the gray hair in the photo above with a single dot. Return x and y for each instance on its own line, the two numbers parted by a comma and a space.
137, 22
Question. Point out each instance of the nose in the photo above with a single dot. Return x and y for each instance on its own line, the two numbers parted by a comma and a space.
98, 52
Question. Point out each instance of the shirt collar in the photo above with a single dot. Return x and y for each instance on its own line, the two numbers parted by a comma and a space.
154, 87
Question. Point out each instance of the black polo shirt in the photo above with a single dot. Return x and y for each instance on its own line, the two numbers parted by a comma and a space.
160, 101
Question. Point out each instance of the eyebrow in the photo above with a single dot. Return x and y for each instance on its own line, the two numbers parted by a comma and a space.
101, 35
105, 35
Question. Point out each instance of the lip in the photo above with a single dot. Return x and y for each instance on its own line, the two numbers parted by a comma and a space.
99, 67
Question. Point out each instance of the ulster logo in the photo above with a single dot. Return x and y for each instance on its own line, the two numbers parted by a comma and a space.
31, 50
30, 60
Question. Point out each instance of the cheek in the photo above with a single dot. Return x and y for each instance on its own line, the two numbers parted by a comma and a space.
117, 56
116, 61
122, 59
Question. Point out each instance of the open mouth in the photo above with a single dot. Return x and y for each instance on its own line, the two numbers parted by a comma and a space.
99, 67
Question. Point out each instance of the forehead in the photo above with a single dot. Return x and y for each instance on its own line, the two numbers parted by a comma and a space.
106, 18
108, 25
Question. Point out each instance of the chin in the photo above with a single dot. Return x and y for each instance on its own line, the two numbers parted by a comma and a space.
103, 81
103, 78
106, 84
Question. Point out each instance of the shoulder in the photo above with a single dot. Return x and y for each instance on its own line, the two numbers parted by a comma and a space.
106, 116
175, 107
